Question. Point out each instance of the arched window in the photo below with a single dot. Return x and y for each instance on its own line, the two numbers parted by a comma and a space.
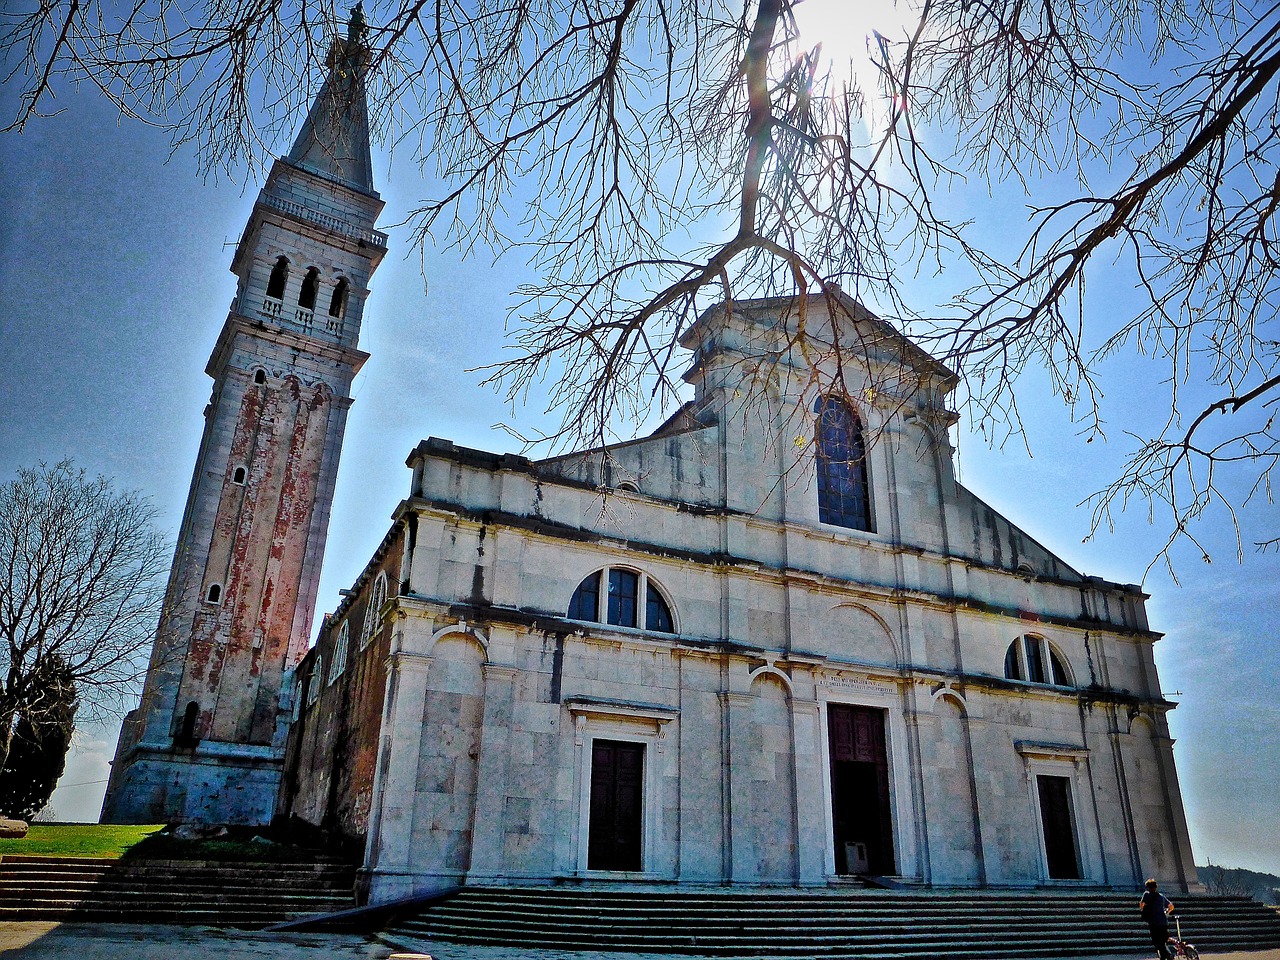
621, 595
279, 276
313, 683
1033, 659
259, 376
310, 287
844, 495
373, 614
338, 303
187, 732
238, 475
214, 594
340, 652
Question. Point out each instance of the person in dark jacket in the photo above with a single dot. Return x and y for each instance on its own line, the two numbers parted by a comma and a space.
1156, 908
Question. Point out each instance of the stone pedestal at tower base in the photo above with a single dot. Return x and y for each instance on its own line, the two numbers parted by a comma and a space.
211, 783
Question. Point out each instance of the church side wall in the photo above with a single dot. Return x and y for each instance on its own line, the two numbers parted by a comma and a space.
333, 742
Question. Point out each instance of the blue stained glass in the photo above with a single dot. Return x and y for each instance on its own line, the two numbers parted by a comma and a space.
657, 616
624, 589
844, 497
585, 604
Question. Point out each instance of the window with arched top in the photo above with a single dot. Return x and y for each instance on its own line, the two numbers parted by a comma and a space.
239, 475
279, 277
1033, 659
373, 614
313, 681
259, 376
214, 593
844, 492
340, 652
310, 287
338, 302
190, 716
624, 598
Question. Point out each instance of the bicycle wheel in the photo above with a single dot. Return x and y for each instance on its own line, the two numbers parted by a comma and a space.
1190, 952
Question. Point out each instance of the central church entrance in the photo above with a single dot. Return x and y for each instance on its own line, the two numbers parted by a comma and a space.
860, 810
614, 838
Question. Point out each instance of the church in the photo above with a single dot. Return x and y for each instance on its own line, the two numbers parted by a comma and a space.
775, 642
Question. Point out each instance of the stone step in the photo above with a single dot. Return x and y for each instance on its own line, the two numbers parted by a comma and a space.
126, 896
214, 894
249, 920
185, 878
1064, 899
817, 928
854, 915
243, 895
828, 923
871, 925
735, 946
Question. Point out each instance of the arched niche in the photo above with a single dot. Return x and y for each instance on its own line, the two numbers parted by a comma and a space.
850, 631
448, 763
767, 824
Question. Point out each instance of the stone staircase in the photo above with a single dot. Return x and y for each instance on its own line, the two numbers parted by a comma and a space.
867, 924
246, 895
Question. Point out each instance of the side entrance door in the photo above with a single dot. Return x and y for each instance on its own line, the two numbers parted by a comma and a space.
614, 840
860, 810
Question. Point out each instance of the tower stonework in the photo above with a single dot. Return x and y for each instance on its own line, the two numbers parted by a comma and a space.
206, 741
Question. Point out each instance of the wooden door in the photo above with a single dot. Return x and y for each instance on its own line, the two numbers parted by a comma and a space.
860, 809
614, 840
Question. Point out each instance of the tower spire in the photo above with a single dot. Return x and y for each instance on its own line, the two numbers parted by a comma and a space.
334, 141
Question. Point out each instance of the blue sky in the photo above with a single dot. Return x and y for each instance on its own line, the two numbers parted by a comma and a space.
114, 285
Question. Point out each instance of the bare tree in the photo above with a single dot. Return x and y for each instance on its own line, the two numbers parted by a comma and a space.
687, 151
81, 585
1225, 881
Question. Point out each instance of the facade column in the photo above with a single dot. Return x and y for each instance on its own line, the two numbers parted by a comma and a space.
1180, 837
736, 762
810, 793
1124, 801
920, 819
389, 849
488, 830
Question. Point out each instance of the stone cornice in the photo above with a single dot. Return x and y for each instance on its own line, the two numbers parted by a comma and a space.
886, 593
815, 663
280, 336
434, 447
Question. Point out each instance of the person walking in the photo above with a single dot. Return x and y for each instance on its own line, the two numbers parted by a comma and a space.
1156, 908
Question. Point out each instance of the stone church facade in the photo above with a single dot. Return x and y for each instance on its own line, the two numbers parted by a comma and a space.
776, 642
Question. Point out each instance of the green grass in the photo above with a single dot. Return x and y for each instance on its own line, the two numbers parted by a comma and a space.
147, 843
79, 839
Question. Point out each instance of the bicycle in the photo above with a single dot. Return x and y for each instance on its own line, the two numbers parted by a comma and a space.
1181, 949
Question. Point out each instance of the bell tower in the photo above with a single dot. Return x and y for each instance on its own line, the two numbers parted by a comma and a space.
205, 744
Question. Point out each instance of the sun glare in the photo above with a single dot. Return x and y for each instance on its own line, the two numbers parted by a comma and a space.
852, 33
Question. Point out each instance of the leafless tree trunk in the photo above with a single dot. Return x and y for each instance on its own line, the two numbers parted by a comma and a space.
81, 580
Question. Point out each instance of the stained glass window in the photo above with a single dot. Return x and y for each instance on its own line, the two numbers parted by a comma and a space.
844, 497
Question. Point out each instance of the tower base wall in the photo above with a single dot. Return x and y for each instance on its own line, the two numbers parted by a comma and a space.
218, 783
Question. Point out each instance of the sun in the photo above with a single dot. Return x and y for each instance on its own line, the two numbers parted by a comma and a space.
854, 34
